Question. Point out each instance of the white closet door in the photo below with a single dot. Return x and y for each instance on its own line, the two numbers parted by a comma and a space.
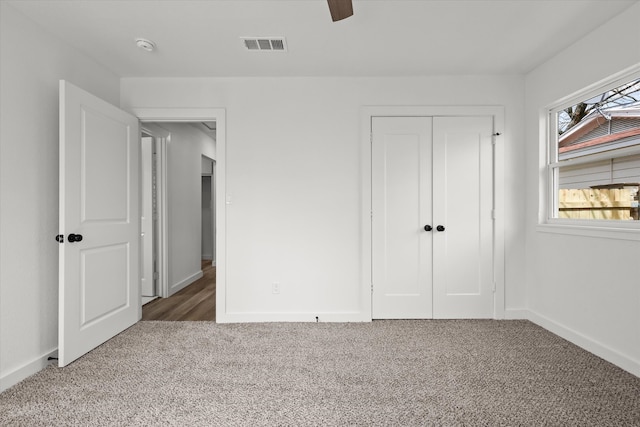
462, 204
401, 207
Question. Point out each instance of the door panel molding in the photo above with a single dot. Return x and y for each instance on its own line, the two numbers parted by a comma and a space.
366, 116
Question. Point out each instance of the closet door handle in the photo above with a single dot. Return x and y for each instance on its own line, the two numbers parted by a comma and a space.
440, 228
74, 238
428, 228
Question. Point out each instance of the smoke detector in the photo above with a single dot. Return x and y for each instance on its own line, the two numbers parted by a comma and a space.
145, 44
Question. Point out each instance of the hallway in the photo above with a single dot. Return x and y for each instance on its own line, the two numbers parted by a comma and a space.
195, 302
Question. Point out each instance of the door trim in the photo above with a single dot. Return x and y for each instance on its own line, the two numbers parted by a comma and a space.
366, 115
218, 115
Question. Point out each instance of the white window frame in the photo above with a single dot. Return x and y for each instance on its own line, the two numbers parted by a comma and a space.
617, 229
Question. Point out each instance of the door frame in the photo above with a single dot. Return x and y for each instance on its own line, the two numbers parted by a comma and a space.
366, 115
191, 115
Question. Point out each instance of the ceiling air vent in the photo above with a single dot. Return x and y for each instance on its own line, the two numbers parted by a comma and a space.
277, 44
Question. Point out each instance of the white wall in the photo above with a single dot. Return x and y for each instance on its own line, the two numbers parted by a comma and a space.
31, 63
583, 288
185, 149
293, 176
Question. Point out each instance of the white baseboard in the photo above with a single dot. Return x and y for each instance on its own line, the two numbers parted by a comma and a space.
185, 282
621, 360
14, 377
147, 300
291, 317
516, 314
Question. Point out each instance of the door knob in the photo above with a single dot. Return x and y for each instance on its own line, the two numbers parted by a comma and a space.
440, 228
428, 228
74, 238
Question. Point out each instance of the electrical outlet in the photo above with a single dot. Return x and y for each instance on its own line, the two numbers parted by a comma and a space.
275, 288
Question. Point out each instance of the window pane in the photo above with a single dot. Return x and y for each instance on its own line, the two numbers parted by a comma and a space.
606, 189
604, 122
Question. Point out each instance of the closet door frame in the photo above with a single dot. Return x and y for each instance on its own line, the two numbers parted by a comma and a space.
367, 113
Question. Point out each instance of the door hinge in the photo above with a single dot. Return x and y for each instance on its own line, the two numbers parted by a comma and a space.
493, 214
155, 275
494, 287
493, 138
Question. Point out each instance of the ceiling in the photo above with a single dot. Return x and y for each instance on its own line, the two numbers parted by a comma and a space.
383, 38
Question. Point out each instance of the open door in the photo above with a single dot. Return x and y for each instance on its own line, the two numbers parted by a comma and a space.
99, 256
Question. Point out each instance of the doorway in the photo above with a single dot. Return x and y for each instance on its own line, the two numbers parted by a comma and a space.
91, 310
167, 276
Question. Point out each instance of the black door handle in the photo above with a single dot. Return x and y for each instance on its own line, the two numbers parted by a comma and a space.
74, 238
440, 228
428, 228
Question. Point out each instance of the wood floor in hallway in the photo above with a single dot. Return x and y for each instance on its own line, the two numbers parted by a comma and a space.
195, 302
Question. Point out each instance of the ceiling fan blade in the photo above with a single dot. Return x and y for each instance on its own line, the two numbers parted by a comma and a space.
340, 9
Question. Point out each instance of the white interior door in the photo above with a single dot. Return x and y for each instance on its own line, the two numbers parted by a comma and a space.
99, 292
146, 278
463, 200
401, 205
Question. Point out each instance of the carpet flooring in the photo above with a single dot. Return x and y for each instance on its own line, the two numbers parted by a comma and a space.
384, 373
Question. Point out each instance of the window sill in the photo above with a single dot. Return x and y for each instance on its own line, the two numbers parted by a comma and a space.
604, 231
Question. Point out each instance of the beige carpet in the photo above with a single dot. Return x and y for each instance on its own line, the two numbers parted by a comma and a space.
391, 373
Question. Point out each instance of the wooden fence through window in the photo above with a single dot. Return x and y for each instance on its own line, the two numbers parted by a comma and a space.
602, 203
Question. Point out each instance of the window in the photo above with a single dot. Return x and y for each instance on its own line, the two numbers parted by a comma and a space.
594, 155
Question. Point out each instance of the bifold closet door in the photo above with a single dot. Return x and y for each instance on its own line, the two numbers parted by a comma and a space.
401, 205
